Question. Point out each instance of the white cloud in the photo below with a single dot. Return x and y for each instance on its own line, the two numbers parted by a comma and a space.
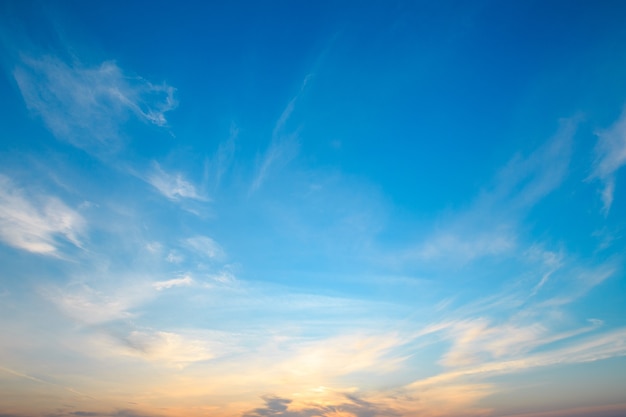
174, 257
610, 157
172, 186
479, 341
597, 347
489, 226
205, 246
328, 358
167, 347
277, 154
444, 244
35, 223
176, 282
86, 106
216, 167
90, 306
283, 147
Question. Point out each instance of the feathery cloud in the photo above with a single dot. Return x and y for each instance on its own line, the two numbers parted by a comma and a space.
184, 281
205, 246
170, 348
283, 146
488, 227
86, 106
172, 186
610, 157
35, 222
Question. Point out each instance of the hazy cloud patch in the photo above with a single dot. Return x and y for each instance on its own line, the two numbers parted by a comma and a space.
86, 105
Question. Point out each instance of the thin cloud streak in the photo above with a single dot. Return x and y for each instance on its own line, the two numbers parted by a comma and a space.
610, 157
176, 282
205, 246
216, 167
610, 344
489, 226
283, 146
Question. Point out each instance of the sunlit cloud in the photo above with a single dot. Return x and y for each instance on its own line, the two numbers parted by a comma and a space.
184, 281
86, 304
349, 406
164, 347
34, 222
598, 347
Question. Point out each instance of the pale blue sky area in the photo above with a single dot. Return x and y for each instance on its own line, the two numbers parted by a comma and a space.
299, 209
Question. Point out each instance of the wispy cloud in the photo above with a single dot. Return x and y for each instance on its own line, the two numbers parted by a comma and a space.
184, 281
489, 226
326, 359
610, 157
172, 186
34, 222
607, 345
216, 167
166, 347
86, 105
284, 144
86, 304
205, 246
351, 406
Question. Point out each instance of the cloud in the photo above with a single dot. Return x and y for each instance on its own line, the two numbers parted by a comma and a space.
489, 226
479, 341
85, 106
283, 147
205, 246
610, 156
344, 355
608, 345
447, 243
176, 282
277, 154
117, 413
172, 186
216, 167
351, 406
172, 348
35, 222
88, 305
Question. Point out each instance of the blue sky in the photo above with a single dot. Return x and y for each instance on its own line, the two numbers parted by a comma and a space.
312, 209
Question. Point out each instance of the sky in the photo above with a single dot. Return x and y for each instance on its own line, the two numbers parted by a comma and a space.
312, 209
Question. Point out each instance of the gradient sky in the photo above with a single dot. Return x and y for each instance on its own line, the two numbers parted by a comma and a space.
312, 209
